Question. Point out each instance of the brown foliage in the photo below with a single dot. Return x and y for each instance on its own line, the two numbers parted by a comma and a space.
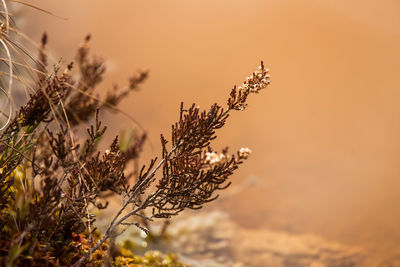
42, 211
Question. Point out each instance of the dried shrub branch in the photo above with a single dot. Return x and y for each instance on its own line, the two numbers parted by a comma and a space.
189, 177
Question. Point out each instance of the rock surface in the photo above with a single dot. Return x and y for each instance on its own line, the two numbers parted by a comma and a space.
206, 236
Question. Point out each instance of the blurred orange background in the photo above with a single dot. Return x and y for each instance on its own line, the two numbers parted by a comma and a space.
324, 135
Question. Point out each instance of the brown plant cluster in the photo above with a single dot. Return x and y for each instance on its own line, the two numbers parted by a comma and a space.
52, 180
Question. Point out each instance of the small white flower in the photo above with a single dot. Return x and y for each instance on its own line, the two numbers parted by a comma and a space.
108, 152
244, 152
214, 158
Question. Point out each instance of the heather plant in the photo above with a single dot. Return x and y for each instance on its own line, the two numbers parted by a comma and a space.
53, 180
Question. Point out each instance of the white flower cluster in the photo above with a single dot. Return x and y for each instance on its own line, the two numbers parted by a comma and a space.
214, 158
257, 81
244, 152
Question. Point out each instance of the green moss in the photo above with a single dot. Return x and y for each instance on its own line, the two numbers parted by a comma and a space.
151, 258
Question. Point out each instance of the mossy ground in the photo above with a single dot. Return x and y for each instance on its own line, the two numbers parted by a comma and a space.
125, 255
